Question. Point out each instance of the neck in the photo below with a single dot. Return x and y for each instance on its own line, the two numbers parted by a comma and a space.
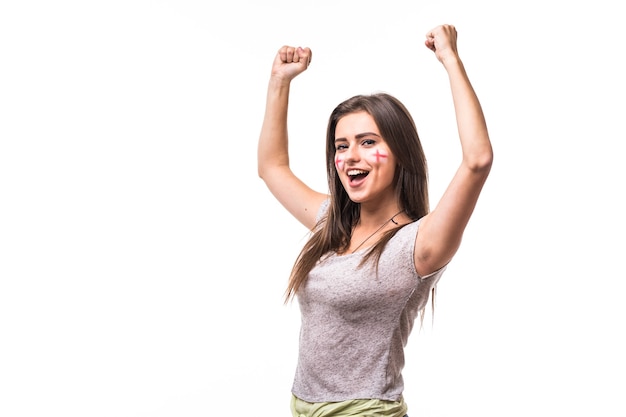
381, 225
374, 218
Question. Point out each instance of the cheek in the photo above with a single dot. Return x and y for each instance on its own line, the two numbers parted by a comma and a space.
378, 156
338, 163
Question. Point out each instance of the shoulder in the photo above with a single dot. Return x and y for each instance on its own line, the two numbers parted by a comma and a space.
403, 241
409, 231
323, 210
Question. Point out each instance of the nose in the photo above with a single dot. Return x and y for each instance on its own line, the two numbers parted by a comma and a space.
352, 154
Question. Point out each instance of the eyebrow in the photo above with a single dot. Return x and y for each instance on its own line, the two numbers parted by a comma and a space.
359, 136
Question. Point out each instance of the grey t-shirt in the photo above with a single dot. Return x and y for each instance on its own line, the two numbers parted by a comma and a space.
356, 322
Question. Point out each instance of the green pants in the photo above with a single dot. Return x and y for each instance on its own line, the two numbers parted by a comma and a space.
350, 408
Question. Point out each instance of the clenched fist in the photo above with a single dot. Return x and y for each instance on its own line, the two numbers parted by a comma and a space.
291, 61
442, 41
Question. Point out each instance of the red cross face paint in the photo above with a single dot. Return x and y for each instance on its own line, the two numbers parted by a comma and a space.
378, 157
338, 163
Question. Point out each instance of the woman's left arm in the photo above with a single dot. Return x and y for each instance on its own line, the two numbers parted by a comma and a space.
442, 229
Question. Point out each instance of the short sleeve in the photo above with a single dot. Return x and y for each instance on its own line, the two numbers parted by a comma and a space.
323, 210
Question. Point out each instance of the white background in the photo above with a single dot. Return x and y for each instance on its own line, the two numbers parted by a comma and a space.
143, 262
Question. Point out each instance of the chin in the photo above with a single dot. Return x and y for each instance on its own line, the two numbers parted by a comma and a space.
356, 198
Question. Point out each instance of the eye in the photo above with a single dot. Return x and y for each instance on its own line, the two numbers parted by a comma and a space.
341, 147
368, 142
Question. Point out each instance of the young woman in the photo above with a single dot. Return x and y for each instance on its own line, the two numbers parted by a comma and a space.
376, 250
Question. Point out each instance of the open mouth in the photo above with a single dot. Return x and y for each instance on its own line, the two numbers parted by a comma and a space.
356, 175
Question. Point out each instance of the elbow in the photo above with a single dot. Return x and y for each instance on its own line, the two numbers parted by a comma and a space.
483, 164
265, 170
270, 166
481, 161
261, 173
261, 168
268, 172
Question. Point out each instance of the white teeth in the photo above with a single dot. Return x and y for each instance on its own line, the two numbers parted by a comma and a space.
356, 172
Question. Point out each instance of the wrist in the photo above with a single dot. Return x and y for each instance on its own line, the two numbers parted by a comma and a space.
450, 59
279, 80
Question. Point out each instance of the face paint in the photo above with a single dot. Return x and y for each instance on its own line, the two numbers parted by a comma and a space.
378, 157
338, 163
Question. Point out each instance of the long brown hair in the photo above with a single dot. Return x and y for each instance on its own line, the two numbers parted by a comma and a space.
334, 231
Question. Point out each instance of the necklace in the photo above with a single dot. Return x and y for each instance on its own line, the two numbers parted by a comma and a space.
378, 230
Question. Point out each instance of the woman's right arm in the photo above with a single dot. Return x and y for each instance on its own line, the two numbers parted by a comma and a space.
273, 150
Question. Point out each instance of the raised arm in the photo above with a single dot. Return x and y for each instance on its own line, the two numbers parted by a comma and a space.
442, 229
273, 148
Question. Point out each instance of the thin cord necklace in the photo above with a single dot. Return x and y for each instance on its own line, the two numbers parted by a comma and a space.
378, 230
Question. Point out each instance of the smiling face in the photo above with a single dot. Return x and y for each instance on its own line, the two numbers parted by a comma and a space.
363, 160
